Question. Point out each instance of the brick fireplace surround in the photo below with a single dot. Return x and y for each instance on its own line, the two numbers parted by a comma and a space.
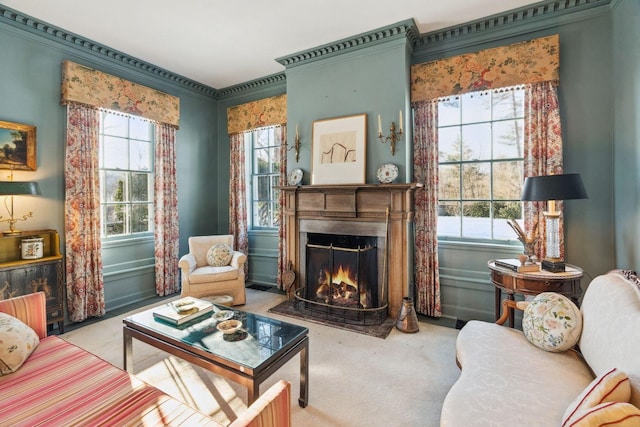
356, 210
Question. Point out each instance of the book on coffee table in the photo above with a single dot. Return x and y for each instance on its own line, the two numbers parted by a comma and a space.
182, 310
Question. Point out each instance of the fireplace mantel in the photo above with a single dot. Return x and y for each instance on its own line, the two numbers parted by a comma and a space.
389, 206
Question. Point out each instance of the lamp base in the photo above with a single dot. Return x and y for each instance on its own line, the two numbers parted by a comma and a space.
552, 265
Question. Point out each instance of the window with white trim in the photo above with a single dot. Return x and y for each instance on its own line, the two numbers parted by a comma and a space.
264, 175
481, 152
126, 175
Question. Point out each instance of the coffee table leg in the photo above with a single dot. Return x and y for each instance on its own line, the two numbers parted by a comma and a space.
253, 391
304, 375
128, 351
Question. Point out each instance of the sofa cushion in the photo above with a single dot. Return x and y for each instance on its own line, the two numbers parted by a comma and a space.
219, 255
17, 342
552, 322
613, 386
610, 414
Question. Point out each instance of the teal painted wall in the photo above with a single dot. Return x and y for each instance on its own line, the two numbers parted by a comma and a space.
626, 108
30, 93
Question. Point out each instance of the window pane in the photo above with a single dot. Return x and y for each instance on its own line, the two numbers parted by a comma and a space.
115, 153
261, 214
508, 104
449, 144
476, 142
139, 187
449, 185
475, 221
476, 107
507, 210
263, 139
140, 218
115, 219
262, 187
275, 164
449, 219
275, 211
508, 139
139, 129
115, 186
115, 125
476, 181
140, 156
261, 160
449, 112
507, 180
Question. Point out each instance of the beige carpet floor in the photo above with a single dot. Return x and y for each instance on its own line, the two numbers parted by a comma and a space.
355, 379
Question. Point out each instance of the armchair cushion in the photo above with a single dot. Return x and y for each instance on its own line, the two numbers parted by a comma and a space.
17, 342
219, 255
214, 274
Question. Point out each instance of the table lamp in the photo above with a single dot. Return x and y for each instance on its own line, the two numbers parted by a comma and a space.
550, 188
16, 188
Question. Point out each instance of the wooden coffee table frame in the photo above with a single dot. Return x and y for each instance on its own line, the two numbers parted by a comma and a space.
250, 378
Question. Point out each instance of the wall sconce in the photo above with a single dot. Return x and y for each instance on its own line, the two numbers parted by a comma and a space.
296, 145
550, 188
393, 135
16, 188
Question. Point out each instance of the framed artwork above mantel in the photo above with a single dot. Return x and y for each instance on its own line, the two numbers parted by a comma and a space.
17, 146
339, 150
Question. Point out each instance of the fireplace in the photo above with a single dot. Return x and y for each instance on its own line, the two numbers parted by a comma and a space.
377, 222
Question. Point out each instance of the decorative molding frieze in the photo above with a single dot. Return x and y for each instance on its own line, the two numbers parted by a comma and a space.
34, 26
261, 83
405, 29
502, 21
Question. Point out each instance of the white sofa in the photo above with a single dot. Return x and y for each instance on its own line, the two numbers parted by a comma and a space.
507, 381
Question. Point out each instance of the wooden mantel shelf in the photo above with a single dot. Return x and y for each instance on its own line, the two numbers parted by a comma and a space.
389, 206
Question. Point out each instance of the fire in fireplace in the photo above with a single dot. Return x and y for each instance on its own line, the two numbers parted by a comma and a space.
342, 271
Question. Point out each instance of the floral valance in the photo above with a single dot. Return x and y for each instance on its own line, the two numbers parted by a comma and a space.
532, 61
263, 112
92, 87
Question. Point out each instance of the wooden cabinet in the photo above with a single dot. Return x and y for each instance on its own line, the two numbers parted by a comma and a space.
24, 276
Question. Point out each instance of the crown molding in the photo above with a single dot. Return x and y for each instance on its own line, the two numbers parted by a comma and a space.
50, 32
530, 18
253, 85
404, 29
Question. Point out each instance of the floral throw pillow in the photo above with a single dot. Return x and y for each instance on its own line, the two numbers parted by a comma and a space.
552, 322
17, 342
219, 255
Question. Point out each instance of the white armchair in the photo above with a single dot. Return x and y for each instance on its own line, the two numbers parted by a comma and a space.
200, 279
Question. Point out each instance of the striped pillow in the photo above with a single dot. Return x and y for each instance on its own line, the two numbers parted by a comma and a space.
612, 386
610, 414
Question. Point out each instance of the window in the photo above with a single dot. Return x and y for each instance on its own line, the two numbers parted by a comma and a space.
126, 175
481, 151
264, 173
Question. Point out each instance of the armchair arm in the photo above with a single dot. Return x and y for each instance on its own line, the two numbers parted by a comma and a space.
187, 263
507, 305
30, 309
271, 409
238, 260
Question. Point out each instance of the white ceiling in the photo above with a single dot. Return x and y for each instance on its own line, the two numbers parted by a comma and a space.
223, 43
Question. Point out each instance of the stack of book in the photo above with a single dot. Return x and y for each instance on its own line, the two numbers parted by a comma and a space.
515, 265
182, 310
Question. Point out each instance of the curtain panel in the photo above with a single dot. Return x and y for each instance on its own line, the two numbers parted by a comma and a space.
532, 61
83, 247
238, 225
256, 114
87, 86
283, 261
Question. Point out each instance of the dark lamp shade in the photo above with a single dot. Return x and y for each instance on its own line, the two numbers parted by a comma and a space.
19, 188
553, 187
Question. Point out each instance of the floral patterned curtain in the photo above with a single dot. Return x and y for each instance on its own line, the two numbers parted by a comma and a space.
83, 249
542, 152
238, 226
166, 231
425, 164
281, 137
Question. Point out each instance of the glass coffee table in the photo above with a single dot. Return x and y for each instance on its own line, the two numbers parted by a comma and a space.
248, 356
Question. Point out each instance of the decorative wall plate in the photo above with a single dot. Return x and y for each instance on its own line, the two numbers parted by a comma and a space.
387, 173
294, 177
